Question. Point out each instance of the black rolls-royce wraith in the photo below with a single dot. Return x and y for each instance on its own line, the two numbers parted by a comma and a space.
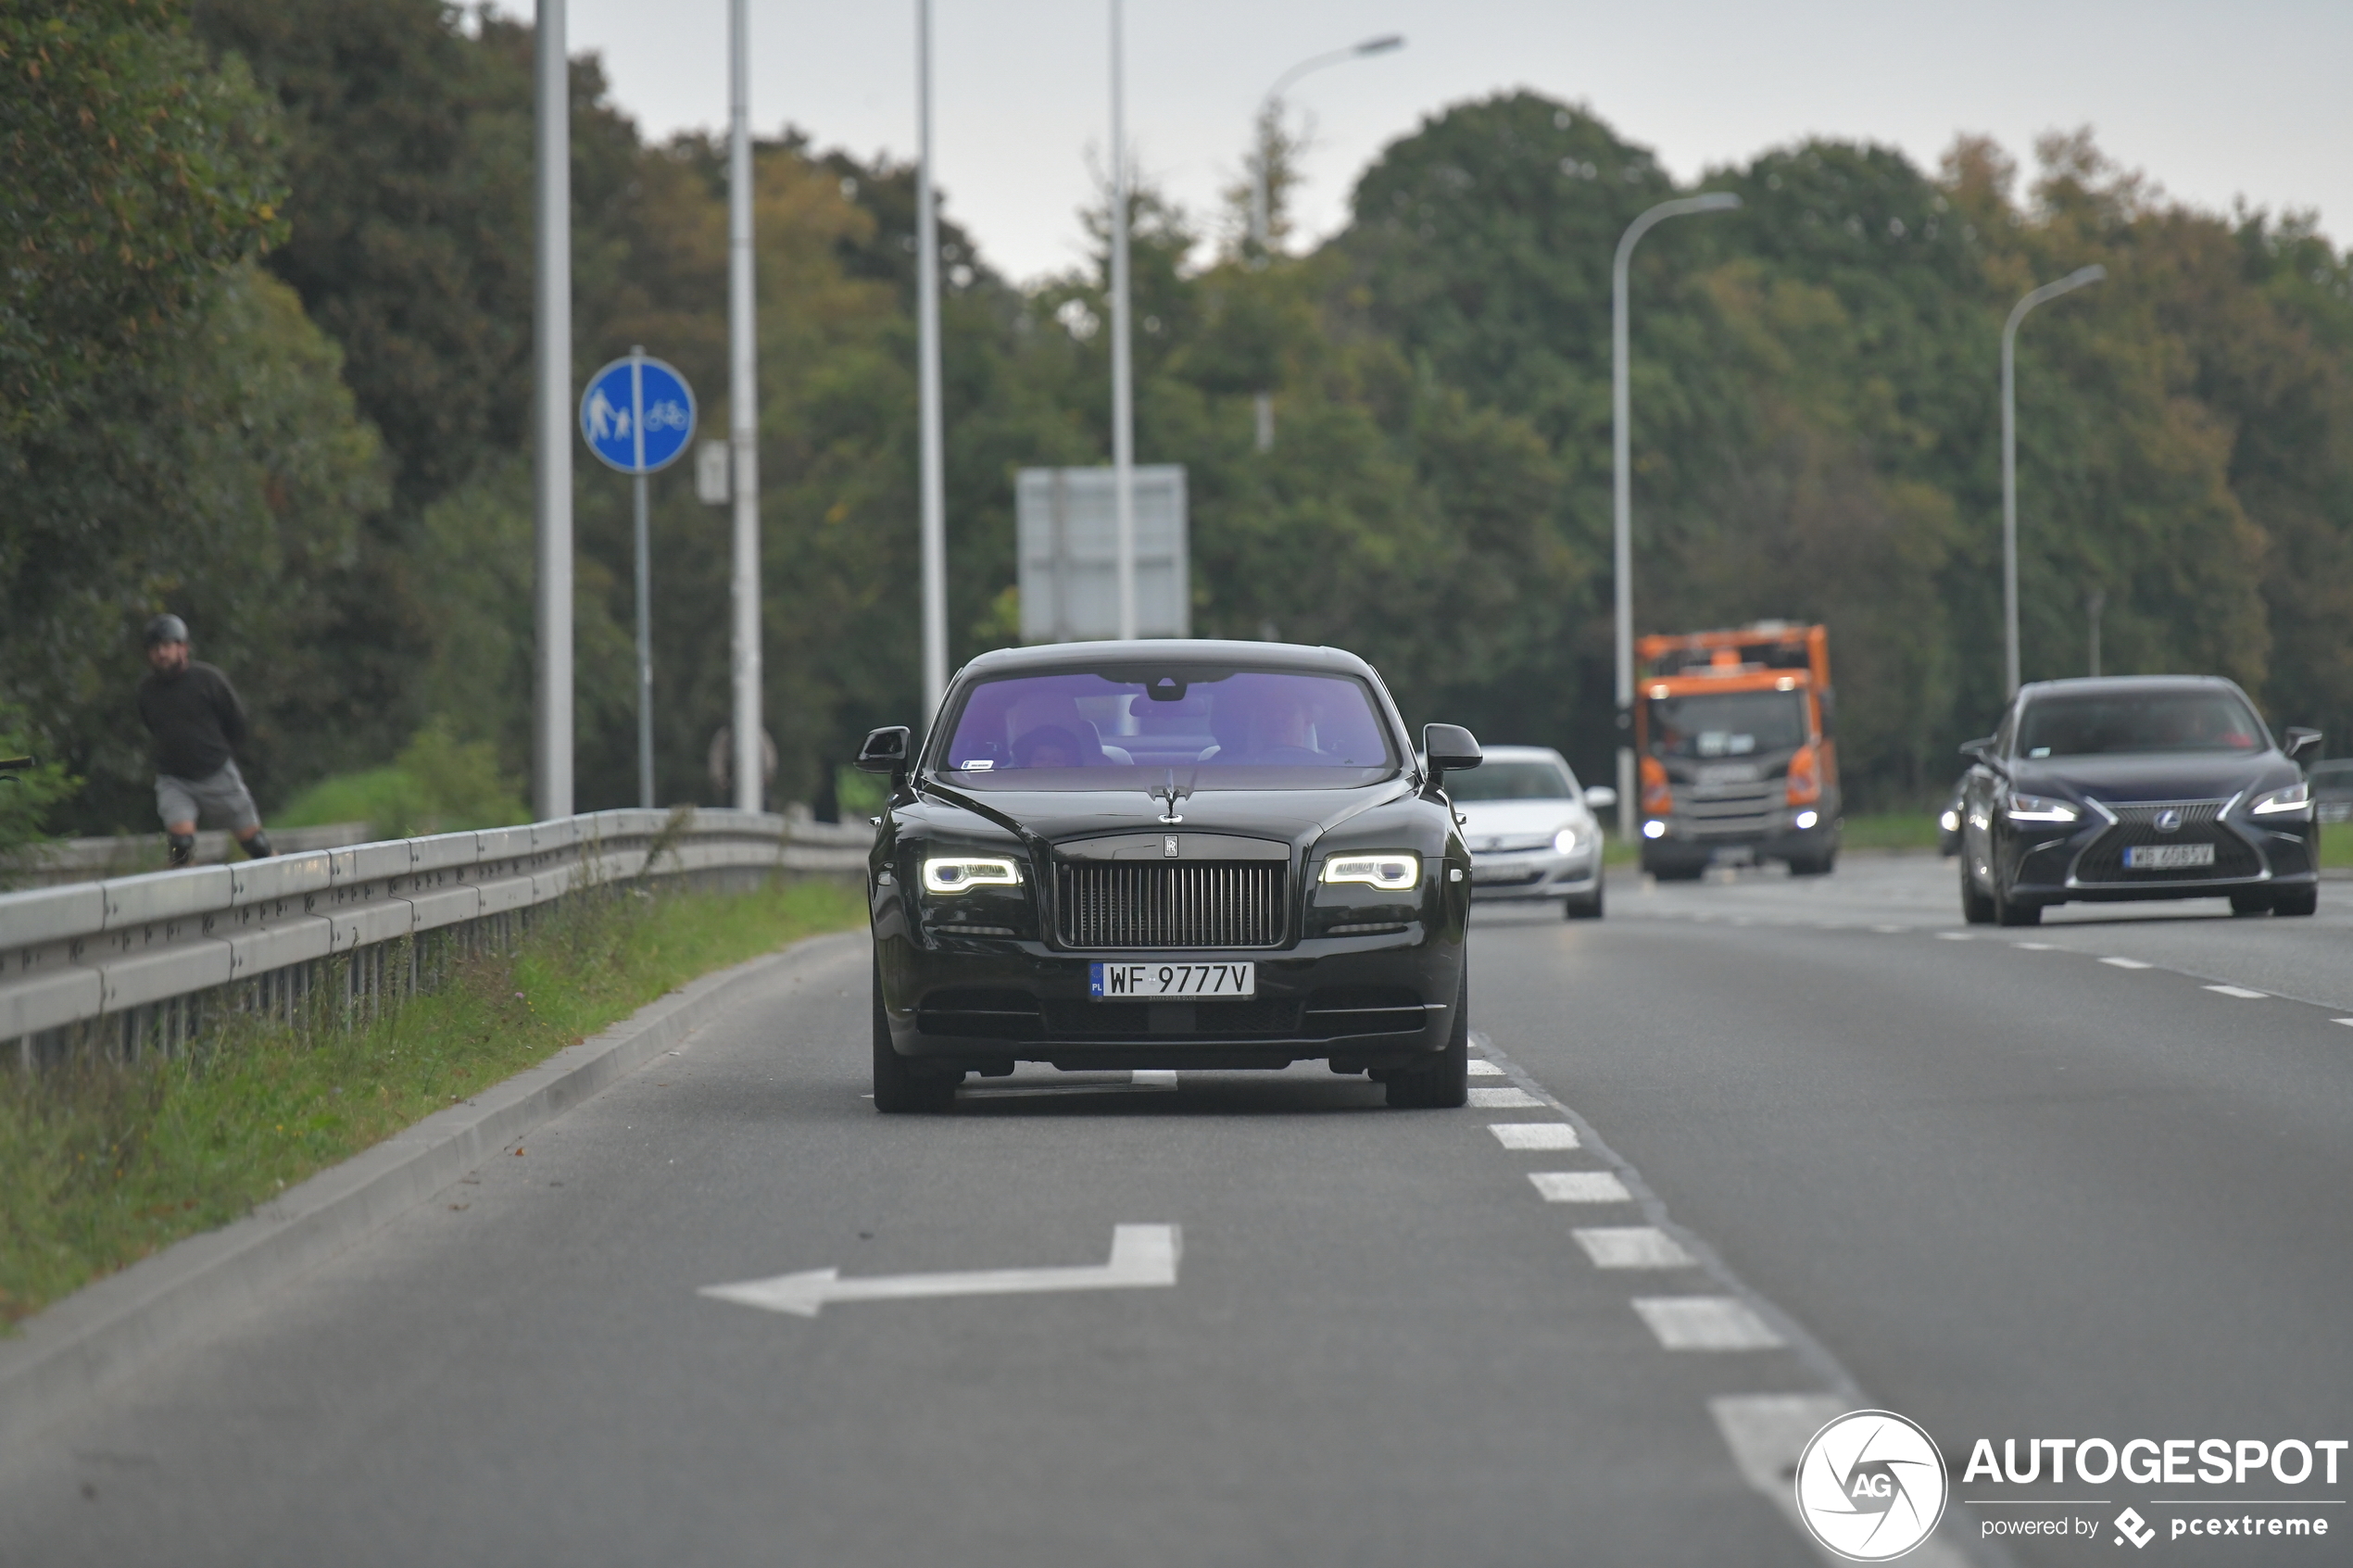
1169, 855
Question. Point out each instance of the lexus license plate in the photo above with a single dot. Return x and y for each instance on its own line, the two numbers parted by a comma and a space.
2168, 857
1115, 982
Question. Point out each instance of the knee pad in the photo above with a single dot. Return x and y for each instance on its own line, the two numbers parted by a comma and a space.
184, 848
258, 847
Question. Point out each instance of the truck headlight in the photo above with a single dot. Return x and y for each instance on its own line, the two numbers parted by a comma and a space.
1394, 870
960, 873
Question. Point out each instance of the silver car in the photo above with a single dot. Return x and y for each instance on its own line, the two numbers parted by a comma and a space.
1531, 830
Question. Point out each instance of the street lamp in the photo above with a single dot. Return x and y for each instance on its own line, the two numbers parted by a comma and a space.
1122, 388
743, 423
1261, 204
551, 422
934, 489
1621, 444
2069, 284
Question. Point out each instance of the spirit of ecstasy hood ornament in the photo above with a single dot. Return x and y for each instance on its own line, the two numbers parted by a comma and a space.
1168, 796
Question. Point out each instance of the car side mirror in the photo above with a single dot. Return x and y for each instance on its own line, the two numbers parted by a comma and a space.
1450, 749
1601, 797
1978, 750
2301, 740
885, 752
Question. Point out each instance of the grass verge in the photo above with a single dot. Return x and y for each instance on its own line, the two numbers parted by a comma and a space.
2337, 844
102, 1164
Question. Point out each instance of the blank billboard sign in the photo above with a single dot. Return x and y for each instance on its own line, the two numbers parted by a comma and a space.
1068, 529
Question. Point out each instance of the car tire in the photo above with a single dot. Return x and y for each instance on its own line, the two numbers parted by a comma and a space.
1583, 909
1445, 1083
1675, 870
902, 1087
2252, 903
2305, 902
1977, 908
1813, 865
2011, 912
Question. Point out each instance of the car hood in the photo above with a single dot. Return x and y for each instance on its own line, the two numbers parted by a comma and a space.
1054, 816
2178, 776
1516, 819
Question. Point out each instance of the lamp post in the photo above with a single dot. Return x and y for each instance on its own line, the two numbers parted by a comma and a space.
551, 422
743, 425
934, 494
1621, 446
1261, 204
2069, 284
2095, 602
1122, 388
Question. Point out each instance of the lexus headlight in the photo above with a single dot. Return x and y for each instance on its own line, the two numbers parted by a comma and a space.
2295, 802
1395, 871
1950, 820
959, 874
2035, 809
1564, 842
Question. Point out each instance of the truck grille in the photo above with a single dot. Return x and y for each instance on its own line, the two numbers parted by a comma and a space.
1728, 810
1130, 904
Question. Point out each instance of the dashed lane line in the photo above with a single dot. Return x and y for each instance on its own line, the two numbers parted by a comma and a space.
1767, 1434
1504, 1100
1706, 1322
2036, 946
1952, 937
2241, 992
2347, 1022
1589, 1187
2127, 963
1481, 1068
1533, 1134
1631, 1246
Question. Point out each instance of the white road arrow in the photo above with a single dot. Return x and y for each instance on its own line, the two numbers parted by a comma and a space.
1140, 1256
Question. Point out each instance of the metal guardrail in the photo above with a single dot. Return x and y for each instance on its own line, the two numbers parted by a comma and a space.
141, 962
98, 859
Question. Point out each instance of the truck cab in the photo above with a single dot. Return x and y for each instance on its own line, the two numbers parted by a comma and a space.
1735, 747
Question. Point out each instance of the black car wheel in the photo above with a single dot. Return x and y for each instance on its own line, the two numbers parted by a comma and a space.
901, 1086
2306, 902
1583, 909
1813, 865
1976, 907
2012, 911
1444, 1083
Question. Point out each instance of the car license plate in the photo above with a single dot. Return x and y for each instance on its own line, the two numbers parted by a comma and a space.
2168, 857
1115, 982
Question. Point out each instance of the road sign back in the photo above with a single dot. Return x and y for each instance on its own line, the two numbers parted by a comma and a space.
637, 414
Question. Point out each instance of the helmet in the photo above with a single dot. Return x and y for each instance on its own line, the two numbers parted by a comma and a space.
166, 629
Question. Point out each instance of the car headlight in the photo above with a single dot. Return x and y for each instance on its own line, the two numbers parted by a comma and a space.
1396, 871
1949, 821
2037, 808
960, 873
1564, 842
2295, 802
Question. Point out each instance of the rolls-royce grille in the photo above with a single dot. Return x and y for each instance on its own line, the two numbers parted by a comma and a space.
1123, 904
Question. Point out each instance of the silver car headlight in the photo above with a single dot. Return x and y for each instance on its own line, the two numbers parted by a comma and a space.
1566, 841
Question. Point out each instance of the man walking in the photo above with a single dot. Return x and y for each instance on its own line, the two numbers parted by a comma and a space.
195, 717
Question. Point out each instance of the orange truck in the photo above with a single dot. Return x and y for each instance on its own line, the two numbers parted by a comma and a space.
1733, 737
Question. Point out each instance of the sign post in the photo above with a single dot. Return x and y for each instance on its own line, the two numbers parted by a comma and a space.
637, 416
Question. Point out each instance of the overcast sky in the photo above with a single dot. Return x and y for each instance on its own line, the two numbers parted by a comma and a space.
2214, 101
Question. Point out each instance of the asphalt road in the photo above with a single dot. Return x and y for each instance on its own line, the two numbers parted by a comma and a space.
2009, 1190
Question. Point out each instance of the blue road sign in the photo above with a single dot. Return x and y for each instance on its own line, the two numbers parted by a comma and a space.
637, 414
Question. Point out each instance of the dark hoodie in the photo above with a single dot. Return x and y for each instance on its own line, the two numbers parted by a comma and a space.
195, 717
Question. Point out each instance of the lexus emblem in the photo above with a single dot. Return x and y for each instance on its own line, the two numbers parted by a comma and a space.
2168, 820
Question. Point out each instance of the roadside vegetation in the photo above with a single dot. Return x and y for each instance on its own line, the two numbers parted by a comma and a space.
102, 1164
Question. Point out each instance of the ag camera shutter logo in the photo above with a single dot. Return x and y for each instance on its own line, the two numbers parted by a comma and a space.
1871, 1485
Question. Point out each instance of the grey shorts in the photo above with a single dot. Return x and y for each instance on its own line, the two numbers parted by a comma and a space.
221, 797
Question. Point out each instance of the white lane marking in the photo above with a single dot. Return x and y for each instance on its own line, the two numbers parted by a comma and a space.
2241, 992
1154, 1078
1891, 930
1581, 1186
2034, 946
1534, 1135
1631, 1246
1706, 1322
2345, 1021
1142, 1256
1503, 1100
1767, 1434
1952, 937
2127, 963
1485, 1069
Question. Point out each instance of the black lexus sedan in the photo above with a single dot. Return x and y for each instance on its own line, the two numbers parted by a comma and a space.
2147, 786
1169, 855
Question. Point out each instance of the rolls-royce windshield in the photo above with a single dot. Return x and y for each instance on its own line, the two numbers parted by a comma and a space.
1132, 728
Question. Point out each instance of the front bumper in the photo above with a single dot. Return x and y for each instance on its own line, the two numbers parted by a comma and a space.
1774, 836
2075, 867
1535, 873
1358, 1001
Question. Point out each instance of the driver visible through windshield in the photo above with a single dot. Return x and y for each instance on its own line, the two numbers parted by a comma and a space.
2181, 721
1131, 729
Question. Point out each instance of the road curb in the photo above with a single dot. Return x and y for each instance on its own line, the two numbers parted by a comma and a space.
78, 1349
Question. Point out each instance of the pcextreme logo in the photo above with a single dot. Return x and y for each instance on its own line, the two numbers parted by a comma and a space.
1870, 1485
